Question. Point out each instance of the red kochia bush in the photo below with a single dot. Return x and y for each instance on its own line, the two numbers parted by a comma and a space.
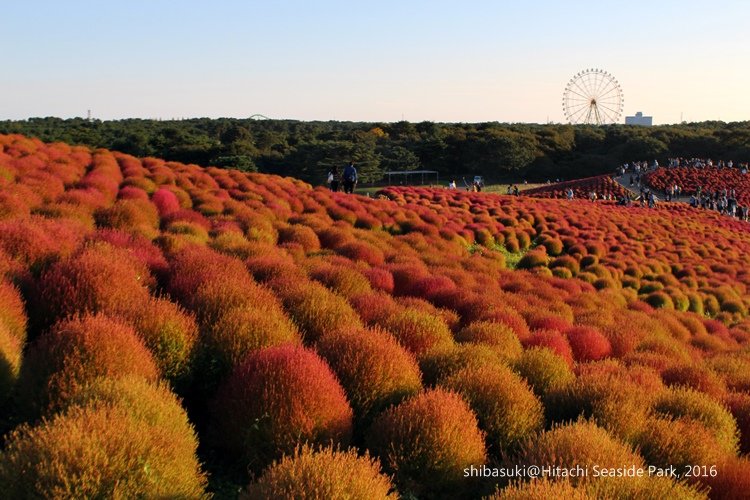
121, 439
100, 278
75, 353
552, 340
278, 398
325, 474
427, 441
373, 368
380, 279
303, 235
166, 202
588, 344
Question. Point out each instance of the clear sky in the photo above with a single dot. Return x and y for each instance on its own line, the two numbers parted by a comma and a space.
385, 60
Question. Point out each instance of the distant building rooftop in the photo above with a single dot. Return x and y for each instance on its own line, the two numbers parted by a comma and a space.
639, 119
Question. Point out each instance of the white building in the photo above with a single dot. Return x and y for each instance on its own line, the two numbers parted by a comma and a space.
639, 119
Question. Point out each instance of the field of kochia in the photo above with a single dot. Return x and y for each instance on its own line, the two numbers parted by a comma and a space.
172, 331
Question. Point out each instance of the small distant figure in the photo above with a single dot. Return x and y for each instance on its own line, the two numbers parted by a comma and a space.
452, 184
350, 178
569, 193
333, 179
509, 190
515, 191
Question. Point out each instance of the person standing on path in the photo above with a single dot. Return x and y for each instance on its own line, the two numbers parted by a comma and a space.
350, 178
333, 178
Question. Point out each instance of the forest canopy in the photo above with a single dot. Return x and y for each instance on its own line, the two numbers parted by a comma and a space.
306, 150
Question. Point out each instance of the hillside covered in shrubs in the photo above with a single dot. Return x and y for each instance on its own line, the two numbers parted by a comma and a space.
168, 330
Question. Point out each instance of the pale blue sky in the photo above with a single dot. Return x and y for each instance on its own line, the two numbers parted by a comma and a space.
386, 60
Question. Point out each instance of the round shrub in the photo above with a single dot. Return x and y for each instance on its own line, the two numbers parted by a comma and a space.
345, 281
427, 441
225, 342
532, 260
499, 336
566, 262
681, 402
10, 361
553, 246
443, 362
417, 331
562, 272
543, 370
588, 344
734, 370
507, 409
553, 340
100, 278
617, 398
732, 479
275, 399
373, 368
449, 317
75, 353
695, 377
316, 309
136, 216
326, 473
660, 300
577, 444
127, 439
359, 250
738, 404
380, 279
170, 333
678, 442
644, 487
302, 235
540, 489
12, 311
166, 201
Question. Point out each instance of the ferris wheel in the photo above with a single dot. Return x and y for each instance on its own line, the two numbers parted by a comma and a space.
593, 96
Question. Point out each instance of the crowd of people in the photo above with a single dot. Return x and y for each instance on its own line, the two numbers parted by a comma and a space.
725, 201
706, 163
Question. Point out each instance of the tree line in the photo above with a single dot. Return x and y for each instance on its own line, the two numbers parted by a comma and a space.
307, 150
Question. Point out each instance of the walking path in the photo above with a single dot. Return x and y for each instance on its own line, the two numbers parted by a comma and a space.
624, 181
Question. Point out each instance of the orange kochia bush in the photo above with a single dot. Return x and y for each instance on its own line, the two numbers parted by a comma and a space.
76, 352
